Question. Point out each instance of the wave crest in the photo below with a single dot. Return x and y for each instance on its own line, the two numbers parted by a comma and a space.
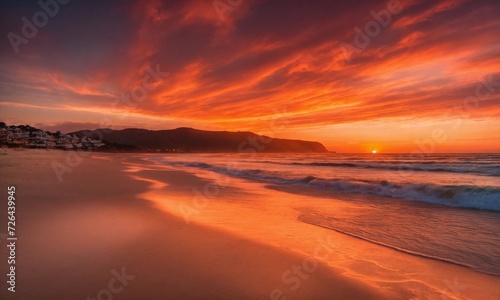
487, 198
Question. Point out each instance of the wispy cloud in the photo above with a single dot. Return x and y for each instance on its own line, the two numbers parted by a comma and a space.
265, 55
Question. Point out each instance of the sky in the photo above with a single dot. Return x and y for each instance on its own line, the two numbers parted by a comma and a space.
395, 76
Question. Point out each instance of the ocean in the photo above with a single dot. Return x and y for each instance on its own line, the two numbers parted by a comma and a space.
440, 206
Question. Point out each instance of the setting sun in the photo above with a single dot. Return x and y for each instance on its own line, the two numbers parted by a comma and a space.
233, 138
407, 80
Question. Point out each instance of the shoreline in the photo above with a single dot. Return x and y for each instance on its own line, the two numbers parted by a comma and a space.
119, 211
75, 235
437, 278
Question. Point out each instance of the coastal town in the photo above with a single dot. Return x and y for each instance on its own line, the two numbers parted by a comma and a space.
25, 136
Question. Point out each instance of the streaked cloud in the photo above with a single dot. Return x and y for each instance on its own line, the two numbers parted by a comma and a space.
264, 56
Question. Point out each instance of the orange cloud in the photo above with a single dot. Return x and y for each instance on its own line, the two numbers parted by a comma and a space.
262, 61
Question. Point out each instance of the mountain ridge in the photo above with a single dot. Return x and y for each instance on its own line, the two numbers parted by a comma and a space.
187, 139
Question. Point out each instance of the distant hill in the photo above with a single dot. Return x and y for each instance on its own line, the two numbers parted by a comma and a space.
193, 140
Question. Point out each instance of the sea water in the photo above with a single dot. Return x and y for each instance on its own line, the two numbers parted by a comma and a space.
440, 206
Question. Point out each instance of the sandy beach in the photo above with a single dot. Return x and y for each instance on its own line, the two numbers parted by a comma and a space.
241, 150
120, 227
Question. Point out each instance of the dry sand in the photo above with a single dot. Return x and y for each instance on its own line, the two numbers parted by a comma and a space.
116, 212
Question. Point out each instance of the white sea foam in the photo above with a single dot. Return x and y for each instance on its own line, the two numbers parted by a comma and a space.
465, 196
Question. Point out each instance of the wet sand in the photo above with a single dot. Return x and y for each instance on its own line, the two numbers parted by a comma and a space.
273, 215
122, 227
94, 235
